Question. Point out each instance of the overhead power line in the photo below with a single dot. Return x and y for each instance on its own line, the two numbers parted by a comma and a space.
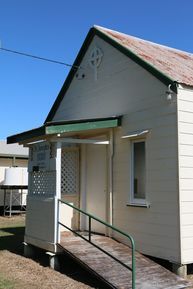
40, 58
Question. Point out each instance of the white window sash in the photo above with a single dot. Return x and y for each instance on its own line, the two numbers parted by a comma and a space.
132, 199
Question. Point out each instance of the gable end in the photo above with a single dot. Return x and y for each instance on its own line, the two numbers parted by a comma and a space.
92, 32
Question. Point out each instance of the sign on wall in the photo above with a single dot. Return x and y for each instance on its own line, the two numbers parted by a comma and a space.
41, 157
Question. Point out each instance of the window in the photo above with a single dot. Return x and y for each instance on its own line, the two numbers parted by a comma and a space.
138, 173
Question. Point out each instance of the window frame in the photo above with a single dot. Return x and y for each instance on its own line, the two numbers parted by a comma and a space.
132, 199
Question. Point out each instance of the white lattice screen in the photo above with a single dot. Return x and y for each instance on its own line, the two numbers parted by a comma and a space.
42, 183
70, 171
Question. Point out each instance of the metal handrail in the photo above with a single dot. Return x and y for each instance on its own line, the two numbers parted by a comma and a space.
133, 267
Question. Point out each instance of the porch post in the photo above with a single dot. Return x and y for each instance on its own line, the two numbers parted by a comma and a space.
83, 186
58, 192
111, 154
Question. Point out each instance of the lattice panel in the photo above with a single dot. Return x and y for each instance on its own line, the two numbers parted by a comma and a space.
43, 183
70, 171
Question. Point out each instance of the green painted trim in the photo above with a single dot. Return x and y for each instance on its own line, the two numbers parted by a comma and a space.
66, 126
54, 129
37, 132
73, 121
92, 32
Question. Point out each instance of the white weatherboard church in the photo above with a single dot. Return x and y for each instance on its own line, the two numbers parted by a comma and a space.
118, 143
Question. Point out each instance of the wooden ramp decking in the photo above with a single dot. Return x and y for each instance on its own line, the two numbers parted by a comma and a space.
149, 275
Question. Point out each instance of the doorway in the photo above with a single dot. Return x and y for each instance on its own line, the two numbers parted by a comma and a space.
96, 184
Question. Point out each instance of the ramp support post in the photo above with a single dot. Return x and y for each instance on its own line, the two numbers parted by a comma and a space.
29, 250
180, 270
53, 261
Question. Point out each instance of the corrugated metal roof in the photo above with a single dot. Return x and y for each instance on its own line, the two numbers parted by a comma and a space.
176, 64
12, 150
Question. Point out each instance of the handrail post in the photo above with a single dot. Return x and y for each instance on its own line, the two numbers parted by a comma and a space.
133, 265
89, 228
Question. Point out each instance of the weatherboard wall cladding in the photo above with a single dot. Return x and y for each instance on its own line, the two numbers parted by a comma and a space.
155, 229
41, 225
108, 95
185, 136
125, 88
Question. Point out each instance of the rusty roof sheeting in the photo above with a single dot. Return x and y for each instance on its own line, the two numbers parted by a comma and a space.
176, 64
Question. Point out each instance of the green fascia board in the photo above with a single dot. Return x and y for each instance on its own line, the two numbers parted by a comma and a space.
26, 135
75, 127
92, 32
65, 126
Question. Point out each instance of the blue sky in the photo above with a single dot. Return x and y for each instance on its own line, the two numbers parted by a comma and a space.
56, 29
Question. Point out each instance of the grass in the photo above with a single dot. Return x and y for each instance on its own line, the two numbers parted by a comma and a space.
5, 284
11, 238
12, 233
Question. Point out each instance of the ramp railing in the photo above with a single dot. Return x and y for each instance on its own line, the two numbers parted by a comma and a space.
89, 239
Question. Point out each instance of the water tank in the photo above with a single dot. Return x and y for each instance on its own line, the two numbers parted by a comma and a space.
16, 176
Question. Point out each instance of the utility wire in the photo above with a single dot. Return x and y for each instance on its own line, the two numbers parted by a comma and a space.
40, 58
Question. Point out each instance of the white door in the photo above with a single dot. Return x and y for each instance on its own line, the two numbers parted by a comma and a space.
96, 184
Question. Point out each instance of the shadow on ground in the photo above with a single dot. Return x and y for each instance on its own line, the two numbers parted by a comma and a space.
71, 268
74, 270
11, 239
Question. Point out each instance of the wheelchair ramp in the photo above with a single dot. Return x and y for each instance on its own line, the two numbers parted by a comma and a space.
149, 275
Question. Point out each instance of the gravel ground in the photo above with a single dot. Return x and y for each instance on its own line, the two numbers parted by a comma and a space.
18, 272
27, 274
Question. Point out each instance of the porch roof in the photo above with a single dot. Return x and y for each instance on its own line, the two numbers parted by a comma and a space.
61, 127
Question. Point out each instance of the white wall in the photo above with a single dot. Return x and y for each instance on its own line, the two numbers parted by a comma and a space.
41, 202
185, 135
118, 90
40, 222
155, 229
124, 88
